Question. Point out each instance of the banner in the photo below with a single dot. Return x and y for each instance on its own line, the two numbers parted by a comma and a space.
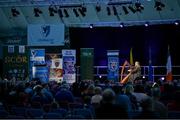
87, 63
15, 64
54, 63
41, 72
46, 34
113, 65
69, 62
37, 58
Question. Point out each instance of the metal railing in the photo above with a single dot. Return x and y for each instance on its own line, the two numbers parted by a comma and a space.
158, 71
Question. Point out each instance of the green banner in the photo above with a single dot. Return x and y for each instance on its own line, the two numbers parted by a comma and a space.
15, 61
87, 63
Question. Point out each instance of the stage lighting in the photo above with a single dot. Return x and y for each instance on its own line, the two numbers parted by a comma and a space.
159, 5
132, 8
98, 8
37, 11
121, 25
125, 10
75, 12
14, 12
108, 11
91, 26
115, 11
52, 10
176, 23
66, 13
60, 13
146, 24
139, 6
82, 11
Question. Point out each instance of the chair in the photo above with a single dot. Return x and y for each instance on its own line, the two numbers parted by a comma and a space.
34, 113
52, 115
3, 114
86, 113
173, 114
19, 111
60, 111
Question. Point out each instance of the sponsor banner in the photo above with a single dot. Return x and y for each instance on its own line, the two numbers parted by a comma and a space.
37, 58
113, 65
87, 63
69, 61
46, 34
15, 64
41, 72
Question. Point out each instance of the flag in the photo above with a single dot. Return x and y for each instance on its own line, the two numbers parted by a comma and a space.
131, 57
150, 69
169, 67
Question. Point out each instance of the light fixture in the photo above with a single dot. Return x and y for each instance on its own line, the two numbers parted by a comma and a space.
176, 23
60, 13
82, 11
115, 10
91, 26
121, 25
52, 10
125, 10
132, 8
98, 8
108, 10
139, 6
75, 12
159, 5
37, 11
146, 24
66, 13
14, 12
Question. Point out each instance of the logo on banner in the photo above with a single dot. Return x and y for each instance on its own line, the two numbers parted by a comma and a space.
45, 30
113, 66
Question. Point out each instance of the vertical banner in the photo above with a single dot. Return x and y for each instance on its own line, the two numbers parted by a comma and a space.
69, 61
15, 64
87, 63
37, 59
54, 63
113, 65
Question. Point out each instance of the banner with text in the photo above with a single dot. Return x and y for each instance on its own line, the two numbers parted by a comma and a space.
46, 34
87, 63
69, 62
54, 63
37, 59
15, 62
113, 65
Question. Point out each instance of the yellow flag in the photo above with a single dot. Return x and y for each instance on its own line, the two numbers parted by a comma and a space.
131, 57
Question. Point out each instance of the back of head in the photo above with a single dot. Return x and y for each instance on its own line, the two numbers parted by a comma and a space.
108, 95
98, 90
129, 89
156, 93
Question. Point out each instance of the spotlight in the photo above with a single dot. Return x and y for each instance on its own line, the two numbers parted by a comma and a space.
82, 11
114, 10
98, 8
176, 23
139, 6
91, 26
37, 11
162, 78
60, 12
143, 77
159, 5
108, 11
52, 10
121, 25
125, 10
132, 8
66, 13
146, 24
75, 12
14, 12
100, 76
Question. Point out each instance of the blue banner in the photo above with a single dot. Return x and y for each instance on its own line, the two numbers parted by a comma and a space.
41, 72
37, 58
69, 61
46, 34
113, 65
